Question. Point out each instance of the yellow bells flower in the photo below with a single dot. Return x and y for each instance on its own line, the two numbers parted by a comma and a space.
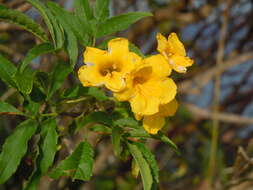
148, 86
108, 67
173, 50
153, 123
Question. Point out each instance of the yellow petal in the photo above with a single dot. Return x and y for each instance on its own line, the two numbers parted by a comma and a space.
93, 55
169, 90
138, 117
115, 82
161, 42
118, 46
168, 109
143, 105
124, 95
152, 124
175, 46
89, 76
160, 66
179, 63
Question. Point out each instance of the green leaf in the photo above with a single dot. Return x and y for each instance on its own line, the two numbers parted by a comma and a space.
31, 107
97, 93
143, 165
66, 22
100, 128
41, 80
78, 91
49, 144
94, 117
136, 50
166, 140
14, 148
7, 70
70, 22
150, 158
58, 76
127, 122
53, 27
119, 23
84, 13
6, 108
116, 138
24, 80
35, 52
83, 10
101, 9
33, 182
23, 21
78, 165
48, 147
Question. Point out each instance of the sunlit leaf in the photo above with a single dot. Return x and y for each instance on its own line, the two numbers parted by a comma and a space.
78, 165
119, 23
145, 171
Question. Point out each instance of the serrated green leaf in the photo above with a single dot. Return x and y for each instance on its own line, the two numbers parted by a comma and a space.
70, 22
7, 70
49, 144
78, 165
33, 182
119, 23
166, 140
47, 149
70, 43
97, 93
53, 27
15, 143
136, 50
101, 9
41, 80
24, 80
94, 117
35, 52
150, 158
6, 108
31, 107
61, 71
23, 21
116, 138
84, 13
82, 9
145, 171
100, 128
78, 91
127, 122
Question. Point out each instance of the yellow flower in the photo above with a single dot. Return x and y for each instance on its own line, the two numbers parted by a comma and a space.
153, 123
173, 50
148, 86
108, 67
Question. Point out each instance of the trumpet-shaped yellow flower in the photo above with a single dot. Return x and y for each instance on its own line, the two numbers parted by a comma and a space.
148, 86
108, 67
153, 123
173, 50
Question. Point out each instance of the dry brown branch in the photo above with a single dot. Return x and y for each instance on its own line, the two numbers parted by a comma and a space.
202, 113
194, 85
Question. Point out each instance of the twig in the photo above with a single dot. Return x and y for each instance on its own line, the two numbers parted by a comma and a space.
217, 92
201, 113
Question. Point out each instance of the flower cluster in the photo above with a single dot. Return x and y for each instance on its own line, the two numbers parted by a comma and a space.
143, 82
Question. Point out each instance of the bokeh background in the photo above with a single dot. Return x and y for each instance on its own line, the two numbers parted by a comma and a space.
218, 35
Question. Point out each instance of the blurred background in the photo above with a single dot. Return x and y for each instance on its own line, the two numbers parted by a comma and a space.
213, 127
